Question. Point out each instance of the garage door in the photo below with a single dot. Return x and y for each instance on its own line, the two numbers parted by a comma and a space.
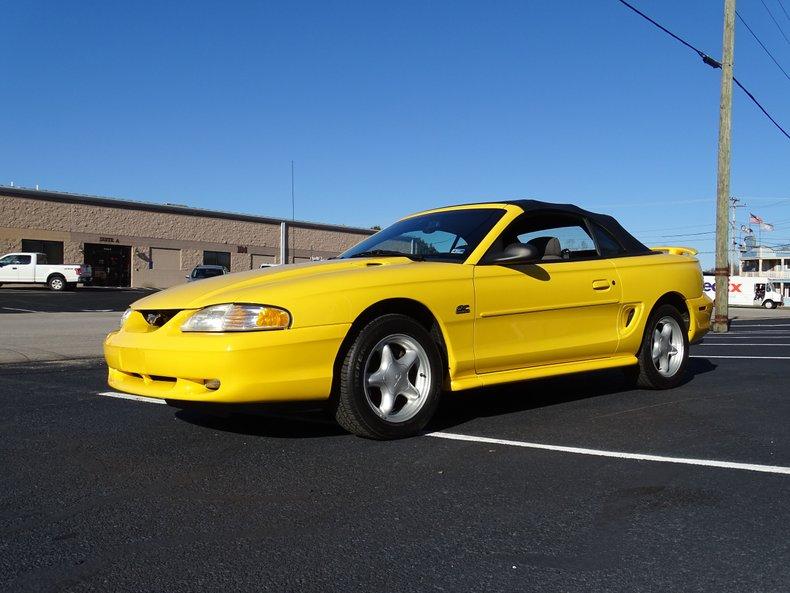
165, 259
258, 259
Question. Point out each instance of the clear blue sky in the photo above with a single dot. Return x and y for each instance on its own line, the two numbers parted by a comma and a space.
391, 107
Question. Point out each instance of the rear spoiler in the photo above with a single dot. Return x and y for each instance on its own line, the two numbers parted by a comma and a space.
689, 251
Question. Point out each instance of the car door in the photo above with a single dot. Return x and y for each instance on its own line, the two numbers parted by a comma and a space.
25, 268
9, 272
562, 308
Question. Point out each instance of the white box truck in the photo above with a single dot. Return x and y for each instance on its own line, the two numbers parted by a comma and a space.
749, 292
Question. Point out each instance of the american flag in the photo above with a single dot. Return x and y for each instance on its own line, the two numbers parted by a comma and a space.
754, 219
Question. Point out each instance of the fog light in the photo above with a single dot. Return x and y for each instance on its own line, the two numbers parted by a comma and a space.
212, 384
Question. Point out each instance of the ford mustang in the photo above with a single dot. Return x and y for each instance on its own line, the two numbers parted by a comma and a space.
441, 301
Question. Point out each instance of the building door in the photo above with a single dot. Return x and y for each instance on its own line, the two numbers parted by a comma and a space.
112, 264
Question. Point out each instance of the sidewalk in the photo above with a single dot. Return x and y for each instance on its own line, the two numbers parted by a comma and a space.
27, 337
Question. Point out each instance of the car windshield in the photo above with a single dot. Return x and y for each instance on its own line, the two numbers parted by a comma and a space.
450, 235
206, 272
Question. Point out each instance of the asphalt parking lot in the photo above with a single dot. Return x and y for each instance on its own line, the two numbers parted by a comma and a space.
40, 299
569, 484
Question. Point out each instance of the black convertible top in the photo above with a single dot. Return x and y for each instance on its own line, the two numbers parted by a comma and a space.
626, 239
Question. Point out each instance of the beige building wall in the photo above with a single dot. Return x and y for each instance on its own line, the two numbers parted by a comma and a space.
164, 245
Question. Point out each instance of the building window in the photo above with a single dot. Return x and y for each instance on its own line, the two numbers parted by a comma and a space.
217, 258
52, 249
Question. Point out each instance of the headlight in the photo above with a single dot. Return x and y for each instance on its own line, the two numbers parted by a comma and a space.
125, 316
237, 318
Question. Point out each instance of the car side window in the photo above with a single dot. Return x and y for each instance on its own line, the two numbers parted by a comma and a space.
557, 237
607, 244
23, 260
4, 261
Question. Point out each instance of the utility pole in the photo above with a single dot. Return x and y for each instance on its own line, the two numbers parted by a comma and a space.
291, 231
722, 271
736, 234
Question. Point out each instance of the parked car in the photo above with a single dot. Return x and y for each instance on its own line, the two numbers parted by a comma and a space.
206, 271
32, 268
441, 301
747, 291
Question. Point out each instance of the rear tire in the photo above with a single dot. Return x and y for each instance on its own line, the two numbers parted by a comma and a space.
56, 283
769, 304
663, 356
390, 380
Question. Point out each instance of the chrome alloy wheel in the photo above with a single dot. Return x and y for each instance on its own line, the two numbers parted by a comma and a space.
397, 378
668, 346
56, 283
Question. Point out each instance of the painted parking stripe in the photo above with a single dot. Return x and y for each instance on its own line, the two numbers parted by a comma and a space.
22, 310
752, 467
739, 344
735, 324
741, 357
752, 330
709, 339
137, 398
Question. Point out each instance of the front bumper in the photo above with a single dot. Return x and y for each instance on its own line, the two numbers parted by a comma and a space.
276, 366
700, 310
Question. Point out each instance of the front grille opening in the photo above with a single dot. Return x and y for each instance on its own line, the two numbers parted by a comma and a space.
161, 378
158, 318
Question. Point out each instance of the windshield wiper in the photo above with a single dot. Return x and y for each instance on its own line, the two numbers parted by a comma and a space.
388, 253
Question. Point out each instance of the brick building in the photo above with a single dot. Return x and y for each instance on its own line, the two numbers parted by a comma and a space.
131, 243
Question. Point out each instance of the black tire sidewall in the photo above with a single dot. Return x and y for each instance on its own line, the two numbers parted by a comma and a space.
354, 369
649, 375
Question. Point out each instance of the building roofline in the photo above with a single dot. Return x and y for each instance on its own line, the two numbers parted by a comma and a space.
71, 198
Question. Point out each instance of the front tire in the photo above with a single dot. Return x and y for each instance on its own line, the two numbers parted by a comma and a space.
769, 304
56, 283
663, 356
390, 380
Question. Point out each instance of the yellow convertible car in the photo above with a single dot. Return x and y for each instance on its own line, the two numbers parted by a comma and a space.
441, 301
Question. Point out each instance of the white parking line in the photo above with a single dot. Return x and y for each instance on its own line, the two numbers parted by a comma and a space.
22, 310
760, 325
730, 336
738, 344
770, 469
137, 398
741, 357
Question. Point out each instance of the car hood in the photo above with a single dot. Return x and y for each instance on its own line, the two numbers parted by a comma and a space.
263, 285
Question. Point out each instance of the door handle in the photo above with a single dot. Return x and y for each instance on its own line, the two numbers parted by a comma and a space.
600, 285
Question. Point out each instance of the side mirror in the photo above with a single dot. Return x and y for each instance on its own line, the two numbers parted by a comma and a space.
515, 253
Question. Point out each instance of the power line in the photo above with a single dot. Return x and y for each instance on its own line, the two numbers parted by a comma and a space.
778, 26
756, 102
783, 9
765, 49
713, 63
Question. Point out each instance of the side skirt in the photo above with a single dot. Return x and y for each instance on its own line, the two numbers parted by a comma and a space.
539, 372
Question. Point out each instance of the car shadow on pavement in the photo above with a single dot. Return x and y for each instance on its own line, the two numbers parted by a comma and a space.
262, 423
510, 398
306, 422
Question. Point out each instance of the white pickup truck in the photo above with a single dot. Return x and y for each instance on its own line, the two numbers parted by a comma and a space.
32, 268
